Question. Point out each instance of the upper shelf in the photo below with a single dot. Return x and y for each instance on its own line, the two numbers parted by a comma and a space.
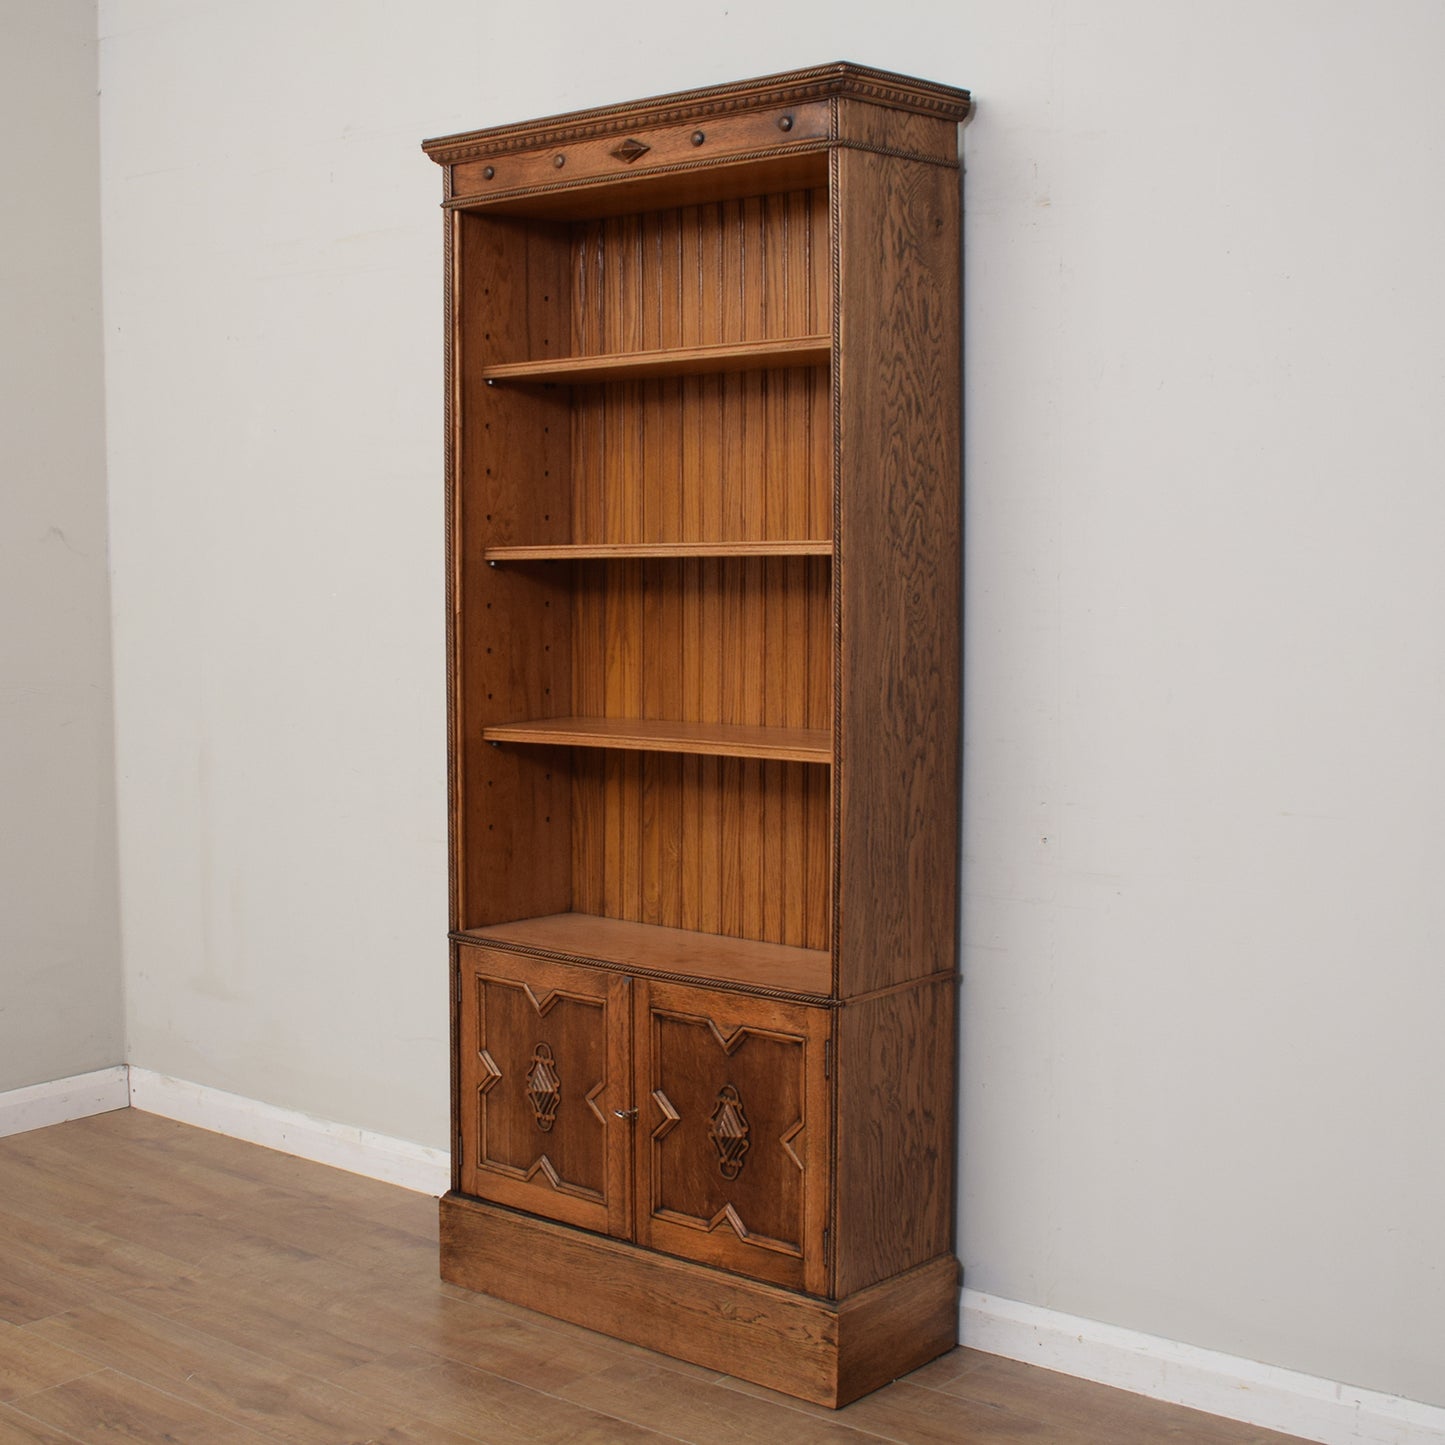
581, 551
649, 735
671, 361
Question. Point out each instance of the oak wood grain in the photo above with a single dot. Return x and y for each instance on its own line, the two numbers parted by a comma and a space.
715, 360
725, 136
897, 573
896, 1102
544, 1066
758, 174
803, 745
648, 948
752, 1196
807, 547
837, 81
793, 1342
713, 1318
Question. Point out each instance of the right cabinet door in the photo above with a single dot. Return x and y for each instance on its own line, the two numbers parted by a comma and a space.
733, 1133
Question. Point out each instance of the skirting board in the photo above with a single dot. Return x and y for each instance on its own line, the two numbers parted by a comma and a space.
377, 1156
1238, 1389
40, 1105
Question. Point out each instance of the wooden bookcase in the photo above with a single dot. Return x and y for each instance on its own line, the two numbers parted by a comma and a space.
703, 547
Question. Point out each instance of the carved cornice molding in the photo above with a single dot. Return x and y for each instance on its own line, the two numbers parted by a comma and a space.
793, 87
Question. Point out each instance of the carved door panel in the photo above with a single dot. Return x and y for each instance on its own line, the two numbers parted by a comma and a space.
733, 1136
543, 1064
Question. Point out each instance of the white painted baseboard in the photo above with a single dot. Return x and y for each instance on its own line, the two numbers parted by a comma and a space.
377, 1156
39, 1105
1238, 1389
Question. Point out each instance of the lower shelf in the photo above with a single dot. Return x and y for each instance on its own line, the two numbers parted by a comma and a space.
679, 952
650, 735
827, 1351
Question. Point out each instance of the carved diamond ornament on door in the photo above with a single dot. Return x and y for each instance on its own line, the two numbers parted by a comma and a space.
729, 1132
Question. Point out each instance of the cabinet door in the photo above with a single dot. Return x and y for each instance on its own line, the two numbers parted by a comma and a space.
543, 1063
733, 1137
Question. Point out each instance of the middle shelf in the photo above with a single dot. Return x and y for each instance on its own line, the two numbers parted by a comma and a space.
717, 360
650, 735
602, 551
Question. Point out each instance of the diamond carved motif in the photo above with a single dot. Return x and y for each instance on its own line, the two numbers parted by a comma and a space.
630, 149
544, 1088
728, 1129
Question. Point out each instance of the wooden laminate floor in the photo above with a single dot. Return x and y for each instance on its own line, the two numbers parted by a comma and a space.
159, 1283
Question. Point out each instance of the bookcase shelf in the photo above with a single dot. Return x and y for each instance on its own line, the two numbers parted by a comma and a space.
602, 551
719, 359
685, 953
799, 745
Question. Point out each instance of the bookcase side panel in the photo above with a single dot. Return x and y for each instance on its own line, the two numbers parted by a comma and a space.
897, 380
896, 1105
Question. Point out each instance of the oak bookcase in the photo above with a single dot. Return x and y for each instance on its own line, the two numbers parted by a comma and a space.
703, 546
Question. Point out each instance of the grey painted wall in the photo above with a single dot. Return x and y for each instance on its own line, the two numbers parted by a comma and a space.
60, 977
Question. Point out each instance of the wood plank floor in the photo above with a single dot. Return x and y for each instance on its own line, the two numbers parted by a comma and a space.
159, 1283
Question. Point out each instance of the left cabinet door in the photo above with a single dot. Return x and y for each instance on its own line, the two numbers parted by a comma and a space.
543, 1064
